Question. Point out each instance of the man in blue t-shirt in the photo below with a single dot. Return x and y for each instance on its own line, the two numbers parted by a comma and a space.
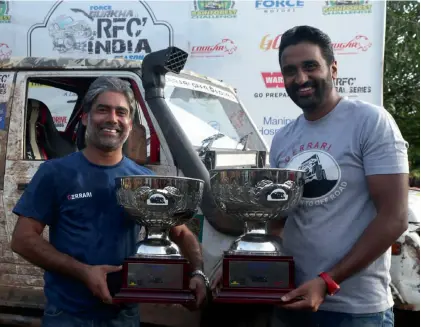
90, 235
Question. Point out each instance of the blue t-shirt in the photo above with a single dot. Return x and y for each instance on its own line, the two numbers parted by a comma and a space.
77, 199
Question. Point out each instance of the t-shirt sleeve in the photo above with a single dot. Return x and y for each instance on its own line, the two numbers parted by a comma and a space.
272, 161
384, 150
38, 201
147, 171
274, 151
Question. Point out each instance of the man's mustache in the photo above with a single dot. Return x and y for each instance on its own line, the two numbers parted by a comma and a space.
296, 87
111, 126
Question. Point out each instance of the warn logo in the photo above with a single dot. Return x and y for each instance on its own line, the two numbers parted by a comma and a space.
273, 80
79, 196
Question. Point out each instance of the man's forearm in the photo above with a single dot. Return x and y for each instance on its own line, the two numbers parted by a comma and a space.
41, 253
190, 247
276, 227
375, 240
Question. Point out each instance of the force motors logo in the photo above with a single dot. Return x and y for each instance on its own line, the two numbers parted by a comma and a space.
79, 196
117, 31
357, 45
221, 49
270, 42
270, 6
272, 80
348, 86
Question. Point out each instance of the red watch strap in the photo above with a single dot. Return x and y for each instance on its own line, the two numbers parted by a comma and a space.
332, 286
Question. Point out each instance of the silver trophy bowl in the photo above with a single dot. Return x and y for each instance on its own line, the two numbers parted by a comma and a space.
159, 203
256, 196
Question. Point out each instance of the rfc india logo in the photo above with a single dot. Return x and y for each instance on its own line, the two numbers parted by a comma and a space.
343, 7
100, 31
351, 87
4, 12
224, 48
214, 9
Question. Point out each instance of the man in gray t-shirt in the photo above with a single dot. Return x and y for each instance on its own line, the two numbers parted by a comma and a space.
355, 198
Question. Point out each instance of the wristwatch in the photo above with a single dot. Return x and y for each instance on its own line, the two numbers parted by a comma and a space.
202, 274
332, 286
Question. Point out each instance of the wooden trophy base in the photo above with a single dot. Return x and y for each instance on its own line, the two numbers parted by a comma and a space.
255, 279
155, 280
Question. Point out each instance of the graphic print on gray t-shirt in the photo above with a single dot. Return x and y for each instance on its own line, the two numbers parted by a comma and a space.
324, 181
337, 153
322, 172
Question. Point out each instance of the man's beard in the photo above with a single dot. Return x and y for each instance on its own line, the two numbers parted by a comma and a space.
105, 143
322, 87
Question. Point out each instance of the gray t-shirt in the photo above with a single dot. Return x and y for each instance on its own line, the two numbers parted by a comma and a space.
338, 151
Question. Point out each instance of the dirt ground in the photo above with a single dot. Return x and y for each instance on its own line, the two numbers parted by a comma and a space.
402, 319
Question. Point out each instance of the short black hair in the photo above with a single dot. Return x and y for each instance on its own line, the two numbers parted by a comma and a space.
304, 33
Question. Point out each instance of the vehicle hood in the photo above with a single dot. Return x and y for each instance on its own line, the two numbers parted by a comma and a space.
197, 130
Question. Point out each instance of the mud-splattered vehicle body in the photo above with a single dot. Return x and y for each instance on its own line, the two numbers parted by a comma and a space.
405, 267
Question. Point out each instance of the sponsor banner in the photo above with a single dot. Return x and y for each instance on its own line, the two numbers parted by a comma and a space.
217, 37
347, 7
197, 86
213, 9
5, 16
270, 42
99, 30
351, 87
60, 122
4, 78
225, 47
5, 89
3, 107
358, 44
37, 85
5, 51
278, 6
275, 87
271, 124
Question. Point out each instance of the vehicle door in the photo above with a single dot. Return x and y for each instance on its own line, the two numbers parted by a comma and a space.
25, 153
31, 115
7, 260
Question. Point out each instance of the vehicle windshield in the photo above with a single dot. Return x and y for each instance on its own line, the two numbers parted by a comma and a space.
210, 112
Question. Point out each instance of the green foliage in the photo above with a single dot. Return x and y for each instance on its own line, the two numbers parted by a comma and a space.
415, 173
401, 78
